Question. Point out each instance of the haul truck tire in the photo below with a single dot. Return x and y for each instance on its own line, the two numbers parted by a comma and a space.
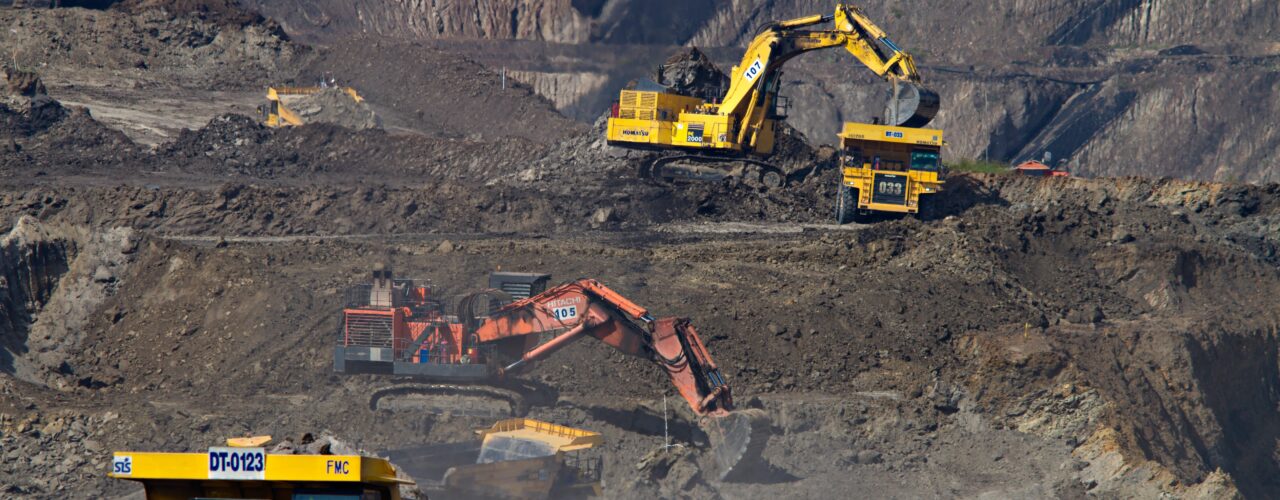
846, 204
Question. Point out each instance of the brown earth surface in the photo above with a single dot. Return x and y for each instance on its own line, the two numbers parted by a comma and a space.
1024, 338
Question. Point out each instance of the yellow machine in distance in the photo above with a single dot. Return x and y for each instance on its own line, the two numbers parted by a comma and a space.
887, 169
706, 140
276, 112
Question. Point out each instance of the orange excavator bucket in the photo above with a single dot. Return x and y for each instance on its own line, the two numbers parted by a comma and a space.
738, 437
738, 440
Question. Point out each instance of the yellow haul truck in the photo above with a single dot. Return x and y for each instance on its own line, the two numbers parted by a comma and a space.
250, 472
887, 169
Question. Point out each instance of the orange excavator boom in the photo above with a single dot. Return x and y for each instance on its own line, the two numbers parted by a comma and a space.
588, 308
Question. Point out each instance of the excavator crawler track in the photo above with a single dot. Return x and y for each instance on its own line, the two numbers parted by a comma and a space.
515, 401
667, 171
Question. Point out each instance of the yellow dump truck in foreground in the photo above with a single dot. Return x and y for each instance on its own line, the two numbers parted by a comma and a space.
251, 472
887, 169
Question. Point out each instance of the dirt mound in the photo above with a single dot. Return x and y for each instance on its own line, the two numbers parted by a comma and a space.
38, 134
22, 115
224, 12
236, 145
690, 72
150, 47
23, 83
333, 105
438, 93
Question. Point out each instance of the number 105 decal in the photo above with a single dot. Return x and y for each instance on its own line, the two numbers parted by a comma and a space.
564, 313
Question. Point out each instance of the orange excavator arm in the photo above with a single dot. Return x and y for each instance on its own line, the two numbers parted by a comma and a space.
588, 308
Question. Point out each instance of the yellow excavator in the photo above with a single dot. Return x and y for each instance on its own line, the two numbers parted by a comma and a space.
276, 112
703, 140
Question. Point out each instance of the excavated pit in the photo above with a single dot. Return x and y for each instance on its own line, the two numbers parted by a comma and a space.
1026, 338
1038, 332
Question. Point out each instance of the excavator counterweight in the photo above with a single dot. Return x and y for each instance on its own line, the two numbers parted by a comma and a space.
401, 328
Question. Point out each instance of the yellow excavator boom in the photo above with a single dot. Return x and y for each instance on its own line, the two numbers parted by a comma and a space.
779, 42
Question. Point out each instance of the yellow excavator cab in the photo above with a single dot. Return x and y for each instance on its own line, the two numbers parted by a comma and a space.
887, 169
250, 472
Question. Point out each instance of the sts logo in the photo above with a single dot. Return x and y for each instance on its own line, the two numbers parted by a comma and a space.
122, 465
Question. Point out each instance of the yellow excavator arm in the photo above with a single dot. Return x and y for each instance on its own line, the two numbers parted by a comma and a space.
752, 80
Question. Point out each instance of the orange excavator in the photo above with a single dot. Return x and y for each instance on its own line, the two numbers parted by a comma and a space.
396, 327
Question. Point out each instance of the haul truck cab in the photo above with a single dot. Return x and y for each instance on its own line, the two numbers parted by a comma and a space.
248, 472
887, 169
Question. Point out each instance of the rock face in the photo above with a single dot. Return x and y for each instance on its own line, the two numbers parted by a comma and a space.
947, 30
559, 21
555, 20
51, 279
1200, 125
563, 89
216, 48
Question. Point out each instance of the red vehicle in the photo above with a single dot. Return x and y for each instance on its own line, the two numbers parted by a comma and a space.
1036, 169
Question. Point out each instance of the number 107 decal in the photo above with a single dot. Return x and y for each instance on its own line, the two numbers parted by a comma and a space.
753, 71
